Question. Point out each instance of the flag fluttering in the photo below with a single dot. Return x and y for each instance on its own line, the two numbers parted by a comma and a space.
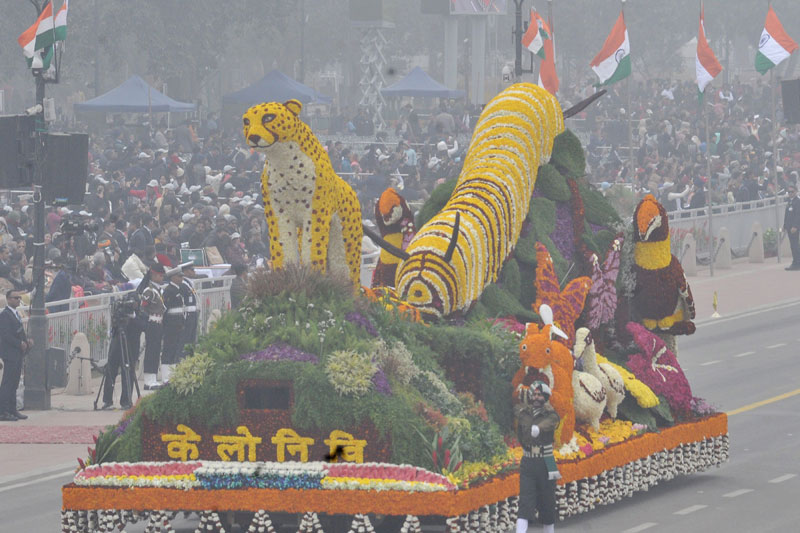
37, 41
61, 22
536, 34
547, 69
706, 63
775, 44
613, 62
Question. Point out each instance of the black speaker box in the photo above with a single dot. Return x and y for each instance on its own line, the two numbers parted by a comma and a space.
366, 10
66, 167
435, 7
56, 367
790, 93
17, 146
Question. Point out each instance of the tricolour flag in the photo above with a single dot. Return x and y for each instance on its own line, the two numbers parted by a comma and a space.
706, 64
613, 62
61, 22
37, 38
536, 34
547, 70
775, 44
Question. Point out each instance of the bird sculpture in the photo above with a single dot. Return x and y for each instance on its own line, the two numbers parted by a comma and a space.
396, 225
662, 299
608, 376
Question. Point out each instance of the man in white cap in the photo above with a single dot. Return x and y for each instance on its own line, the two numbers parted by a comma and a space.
174, 320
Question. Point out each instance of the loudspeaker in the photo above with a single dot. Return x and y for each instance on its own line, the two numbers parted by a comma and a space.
66, 165
435, 7
56, 367
17, 146
790, 94
366, 10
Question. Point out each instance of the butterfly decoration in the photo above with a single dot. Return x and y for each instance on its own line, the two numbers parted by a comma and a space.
658, 368
566, 305
602, 298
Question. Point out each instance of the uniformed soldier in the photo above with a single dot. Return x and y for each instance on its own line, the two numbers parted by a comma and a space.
152, 310
174, 320
190, 300
536, 423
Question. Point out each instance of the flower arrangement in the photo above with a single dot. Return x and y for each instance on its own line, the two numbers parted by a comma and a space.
396, 361
281, 352
350, 372
190, 373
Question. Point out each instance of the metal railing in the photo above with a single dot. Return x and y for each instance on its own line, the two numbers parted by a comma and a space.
91, 315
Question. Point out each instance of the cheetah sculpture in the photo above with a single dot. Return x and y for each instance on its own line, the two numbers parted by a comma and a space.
313, 215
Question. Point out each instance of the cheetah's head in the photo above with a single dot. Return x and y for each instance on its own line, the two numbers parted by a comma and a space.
268, 123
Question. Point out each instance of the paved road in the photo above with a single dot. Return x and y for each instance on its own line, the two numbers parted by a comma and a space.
734, 363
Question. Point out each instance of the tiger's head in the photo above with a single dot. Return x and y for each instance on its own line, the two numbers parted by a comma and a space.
268, 123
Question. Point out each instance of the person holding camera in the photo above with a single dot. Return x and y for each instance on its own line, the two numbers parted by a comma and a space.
14, 344
123, 319
152, 314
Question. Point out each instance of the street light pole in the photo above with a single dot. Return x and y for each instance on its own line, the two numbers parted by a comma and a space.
517, 36
37, 390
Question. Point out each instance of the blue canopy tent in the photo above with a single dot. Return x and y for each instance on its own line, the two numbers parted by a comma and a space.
275, 86
134, 96
418, 83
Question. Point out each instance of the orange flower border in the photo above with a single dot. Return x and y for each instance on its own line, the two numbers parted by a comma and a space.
449, 504
642, 446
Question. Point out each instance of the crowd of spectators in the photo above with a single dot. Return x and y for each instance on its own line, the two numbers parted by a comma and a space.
670, 143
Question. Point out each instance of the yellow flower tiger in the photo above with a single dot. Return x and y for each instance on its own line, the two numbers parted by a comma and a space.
461, 250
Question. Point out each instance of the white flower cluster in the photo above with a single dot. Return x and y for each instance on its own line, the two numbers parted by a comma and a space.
262, 468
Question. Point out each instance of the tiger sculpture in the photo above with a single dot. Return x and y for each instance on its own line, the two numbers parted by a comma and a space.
313, 215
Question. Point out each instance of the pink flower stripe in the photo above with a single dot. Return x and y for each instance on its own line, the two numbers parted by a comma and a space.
387, 471
139, 469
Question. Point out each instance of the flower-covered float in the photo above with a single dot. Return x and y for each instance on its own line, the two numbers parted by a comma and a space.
342, 410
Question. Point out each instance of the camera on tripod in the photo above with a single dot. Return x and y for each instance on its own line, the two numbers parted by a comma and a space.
124, 309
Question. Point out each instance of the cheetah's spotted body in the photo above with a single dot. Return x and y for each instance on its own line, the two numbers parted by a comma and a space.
305, 202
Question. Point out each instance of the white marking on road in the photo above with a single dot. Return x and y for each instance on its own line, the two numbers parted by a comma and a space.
780, 344
690, 509
782, 478
737, 493
640, 527
39, 480
744, 354
709, 363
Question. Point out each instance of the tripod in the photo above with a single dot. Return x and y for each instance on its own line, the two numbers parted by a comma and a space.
119, 340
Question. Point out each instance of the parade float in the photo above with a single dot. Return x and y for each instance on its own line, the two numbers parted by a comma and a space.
345, 409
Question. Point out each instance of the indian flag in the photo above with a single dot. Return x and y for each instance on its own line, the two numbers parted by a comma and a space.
61, 22
706, 64
38, 37
775, 44
548, 78
536, 34
613, 62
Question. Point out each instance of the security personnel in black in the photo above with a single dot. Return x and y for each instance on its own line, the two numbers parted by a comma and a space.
190, 300
174, 319
152, 315
536, 422
791, 224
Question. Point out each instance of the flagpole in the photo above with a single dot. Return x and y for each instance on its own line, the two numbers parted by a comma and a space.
775, 160
708, 172
631, 160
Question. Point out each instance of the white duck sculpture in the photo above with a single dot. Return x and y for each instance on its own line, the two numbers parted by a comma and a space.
606, 374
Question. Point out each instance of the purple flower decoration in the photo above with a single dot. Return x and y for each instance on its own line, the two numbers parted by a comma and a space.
381, 383
120, 429
360, 320
562, 235
281, 352
596, 228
